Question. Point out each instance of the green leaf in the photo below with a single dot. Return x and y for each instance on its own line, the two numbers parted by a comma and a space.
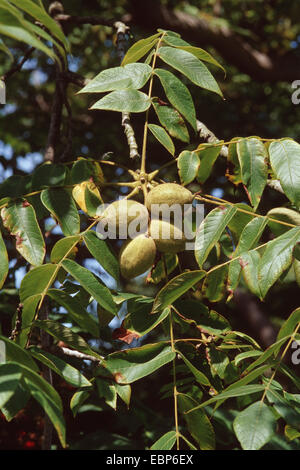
291, 433
198, 423
249, 263
175, 289
139, 321
15, 186
289, 325
252, 156
3, 262
28, 313
254, 426
215, 284
233, 172
41, 15
172, 121
165, 442
48, 398
208, 154
284, 407
63, 247
161, 135
20, 219
76, 311
240, 220
5, 49
37, 281
22, 30
17, 354
232, 393
47, 175
190, 66
276, 258
63, 369
271, 351
82, 170
178, 95
245, 355
77, 400
124, 392
219, 361
285, 162
198, 314
133, 364
62, 207
89, 282
283, 214
133, 76
125, 101
158, 273
62, 333
108, 392
210, 230
251, 234
199, 376
17, 402
140, 48
10, 376
102, 253
196, 51
188, 165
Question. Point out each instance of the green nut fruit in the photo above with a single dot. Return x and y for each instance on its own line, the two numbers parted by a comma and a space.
137, 256
168, 193
283, 214
125, 218
168, 237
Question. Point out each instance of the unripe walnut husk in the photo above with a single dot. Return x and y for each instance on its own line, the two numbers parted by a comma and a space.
123, 213
137, 256
168, 193
168, 238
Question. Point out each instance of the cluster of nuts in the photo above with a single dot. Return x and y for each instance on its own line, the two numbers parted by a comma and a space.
138, 253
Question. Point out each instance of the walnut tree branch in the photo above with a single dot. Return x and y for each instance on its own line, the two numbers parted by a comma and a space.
151, 14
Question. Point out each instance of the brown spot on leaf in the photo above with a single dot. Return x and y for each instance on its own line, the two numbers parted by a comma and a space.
25, 204
119, 378
125, 335
19, 240
243, 263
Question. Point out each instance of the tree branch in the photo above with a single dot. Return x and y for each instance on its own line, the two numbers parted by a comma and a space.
152, 14
17, 67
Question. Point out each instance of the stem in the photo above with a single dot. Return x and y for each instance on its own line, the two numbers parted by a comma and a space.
280, 360
143, 162
175, 393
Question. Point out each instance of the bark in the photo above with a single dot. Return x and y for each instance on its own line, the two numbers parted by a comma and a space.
151, 14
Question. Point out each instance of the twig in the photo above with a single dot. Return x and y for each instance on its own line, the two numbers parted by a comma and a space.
17, 67
18, 323
78, 20
210, 137
75, 78
121, 42
77, 354
55, 121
